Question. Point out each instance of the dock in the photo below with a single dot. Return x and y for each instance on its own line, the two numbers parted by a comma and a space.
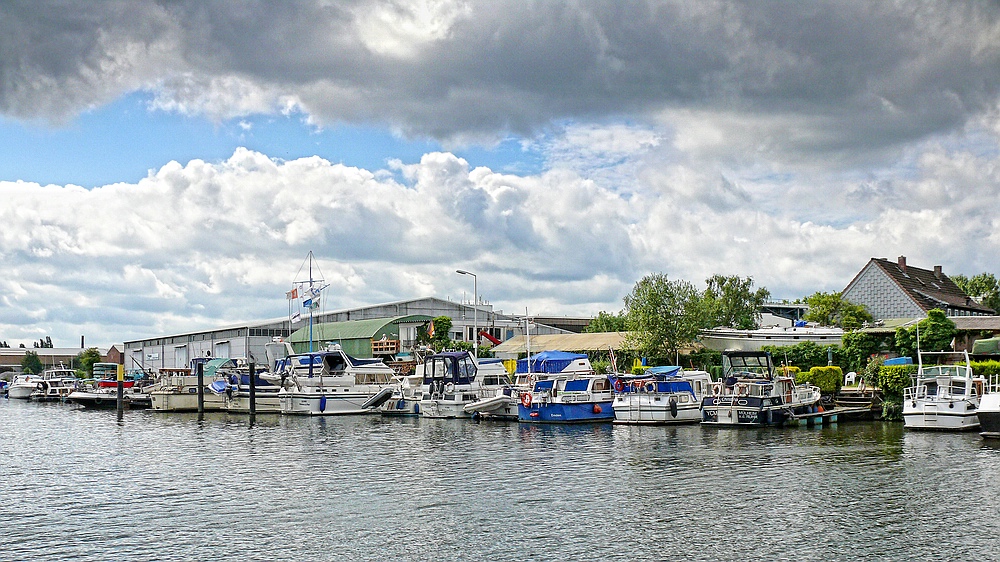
826, 417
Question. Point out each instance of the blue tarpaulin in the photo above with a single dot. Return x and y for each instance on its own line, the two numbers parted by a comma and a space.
549, 362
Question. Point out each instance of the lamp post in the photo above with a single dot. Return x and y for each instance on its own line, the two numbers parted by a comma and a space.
475, 311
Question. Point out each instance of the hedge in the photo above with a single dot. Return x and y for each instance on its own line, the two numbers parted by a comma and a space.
828, 379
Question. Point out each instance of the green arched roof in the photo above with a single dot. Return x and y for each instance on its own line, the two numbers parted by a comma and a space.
352, 329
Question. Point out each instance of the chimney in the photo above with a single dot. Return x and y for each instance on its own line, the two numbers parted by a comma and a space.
902, 263
937, 272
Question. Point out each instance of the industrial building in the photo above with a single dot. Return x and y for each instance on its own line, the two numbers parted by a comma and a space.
400, 319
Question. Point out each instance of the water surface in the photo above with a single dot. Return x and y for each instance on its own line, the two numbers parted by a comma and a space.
78, 484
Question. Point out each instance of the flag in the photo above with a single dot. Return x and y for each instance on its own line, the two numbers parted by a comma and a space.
296, 318
307, 303
314, 303
293, 294
314, 292
430, 329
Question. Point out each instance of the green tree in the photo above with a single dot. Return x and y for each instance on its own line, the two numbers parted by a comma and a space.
859, 347
831, 309
983, 287
936, 333
30, 363
442, 328
662, 315
606, 322
85, 361
733, 302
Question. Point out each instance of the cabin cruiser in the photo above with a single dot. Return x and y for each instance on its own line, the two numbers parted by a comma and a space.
943, 397
988, 411
751, 393
566, 391
502, 400
328, 382
176, 390
660, 395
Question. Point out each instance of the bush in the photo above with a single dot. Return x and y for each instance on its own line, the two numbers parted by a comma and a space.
804, 355
990, 370
828, 379
716, 372
892, 411
892, 379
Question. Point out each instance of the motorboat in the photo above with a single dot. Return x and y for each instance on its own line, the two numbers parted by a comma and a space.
176, 390
660, 395
233, 384
22, 385
328, 382
943, 397
570, 391
403, 399
102, 391
988, 411
751, 393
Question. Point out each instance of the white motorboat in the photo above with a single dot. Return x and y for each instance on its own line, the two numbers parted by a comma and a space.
176, 390
943, 397
233, 385
51, 385
404, 399
660, 395
502, 400
752, 394
988, 411
329, 382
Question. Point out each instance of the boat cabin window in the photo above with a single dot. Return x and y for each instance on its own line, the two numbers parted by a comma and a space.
440, 367
466, 369
601, 385
372, 378
577, 385
334, 363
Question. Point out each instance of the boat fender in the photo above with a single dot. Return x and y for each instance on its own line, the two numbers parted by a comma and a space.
322, 403
526, 399
401, 404
416, 408
597, 409
673, 407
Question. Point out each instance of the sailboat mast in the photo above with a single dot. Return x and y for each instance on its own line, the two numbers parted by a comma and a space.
310, 304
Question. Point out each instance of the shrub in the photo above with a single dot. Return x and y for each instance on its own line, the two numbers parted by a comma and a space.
828, 379
990, 370
892, 379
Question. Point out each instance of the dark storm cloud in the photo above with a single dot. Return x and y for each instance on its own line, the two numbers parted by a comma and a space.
865, 74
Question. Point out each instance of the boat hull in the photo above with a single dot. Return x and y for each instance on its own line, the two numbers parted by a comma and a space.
21, 392
958, 415
161, 401
557, 412
323, 404
750, 411
655, 409
989, 415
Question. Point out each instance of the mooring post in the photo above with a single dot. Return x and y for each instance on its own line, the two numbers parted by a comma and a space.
253, 388
121, 392
201, 389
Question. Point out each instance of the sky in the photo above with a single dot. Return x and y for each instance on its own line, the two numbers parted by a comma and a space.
165, 167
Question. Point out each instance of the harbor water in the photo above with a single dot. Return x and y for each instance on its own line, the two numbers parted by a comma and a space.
77, 484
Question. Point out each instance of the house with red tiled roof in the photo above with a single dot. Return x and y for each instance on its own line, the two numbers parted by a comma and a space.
897, 290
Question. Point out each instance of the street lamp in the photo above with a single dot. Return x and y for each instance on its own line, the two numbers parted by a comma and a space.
475, 311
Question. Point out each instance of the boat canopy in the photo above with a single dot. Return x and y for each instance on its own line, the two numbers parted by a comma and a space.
663, 370
548, 362
456, 367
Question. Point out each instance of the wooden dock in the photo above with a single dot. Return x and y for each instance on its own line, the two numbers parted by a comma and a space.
826, 417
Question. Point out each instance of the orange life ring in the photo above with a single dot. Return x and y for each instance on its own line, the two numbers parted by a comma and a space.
619, 385
526, 399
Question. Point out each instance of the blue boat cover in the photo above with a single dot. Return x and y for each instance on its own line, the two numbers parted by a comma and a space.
663, 370
548, 362
899, 361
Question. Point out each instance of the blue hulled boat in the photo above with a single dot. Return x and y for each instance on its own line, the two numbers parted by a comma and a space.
565, 390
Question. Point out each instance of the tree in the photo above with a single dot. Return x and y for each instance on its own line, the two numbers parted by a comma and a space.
936, 333
31, 364
831, 309
662, 315
859, 347
606, 322
732, 301
435, 333
983, 287
86, 359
